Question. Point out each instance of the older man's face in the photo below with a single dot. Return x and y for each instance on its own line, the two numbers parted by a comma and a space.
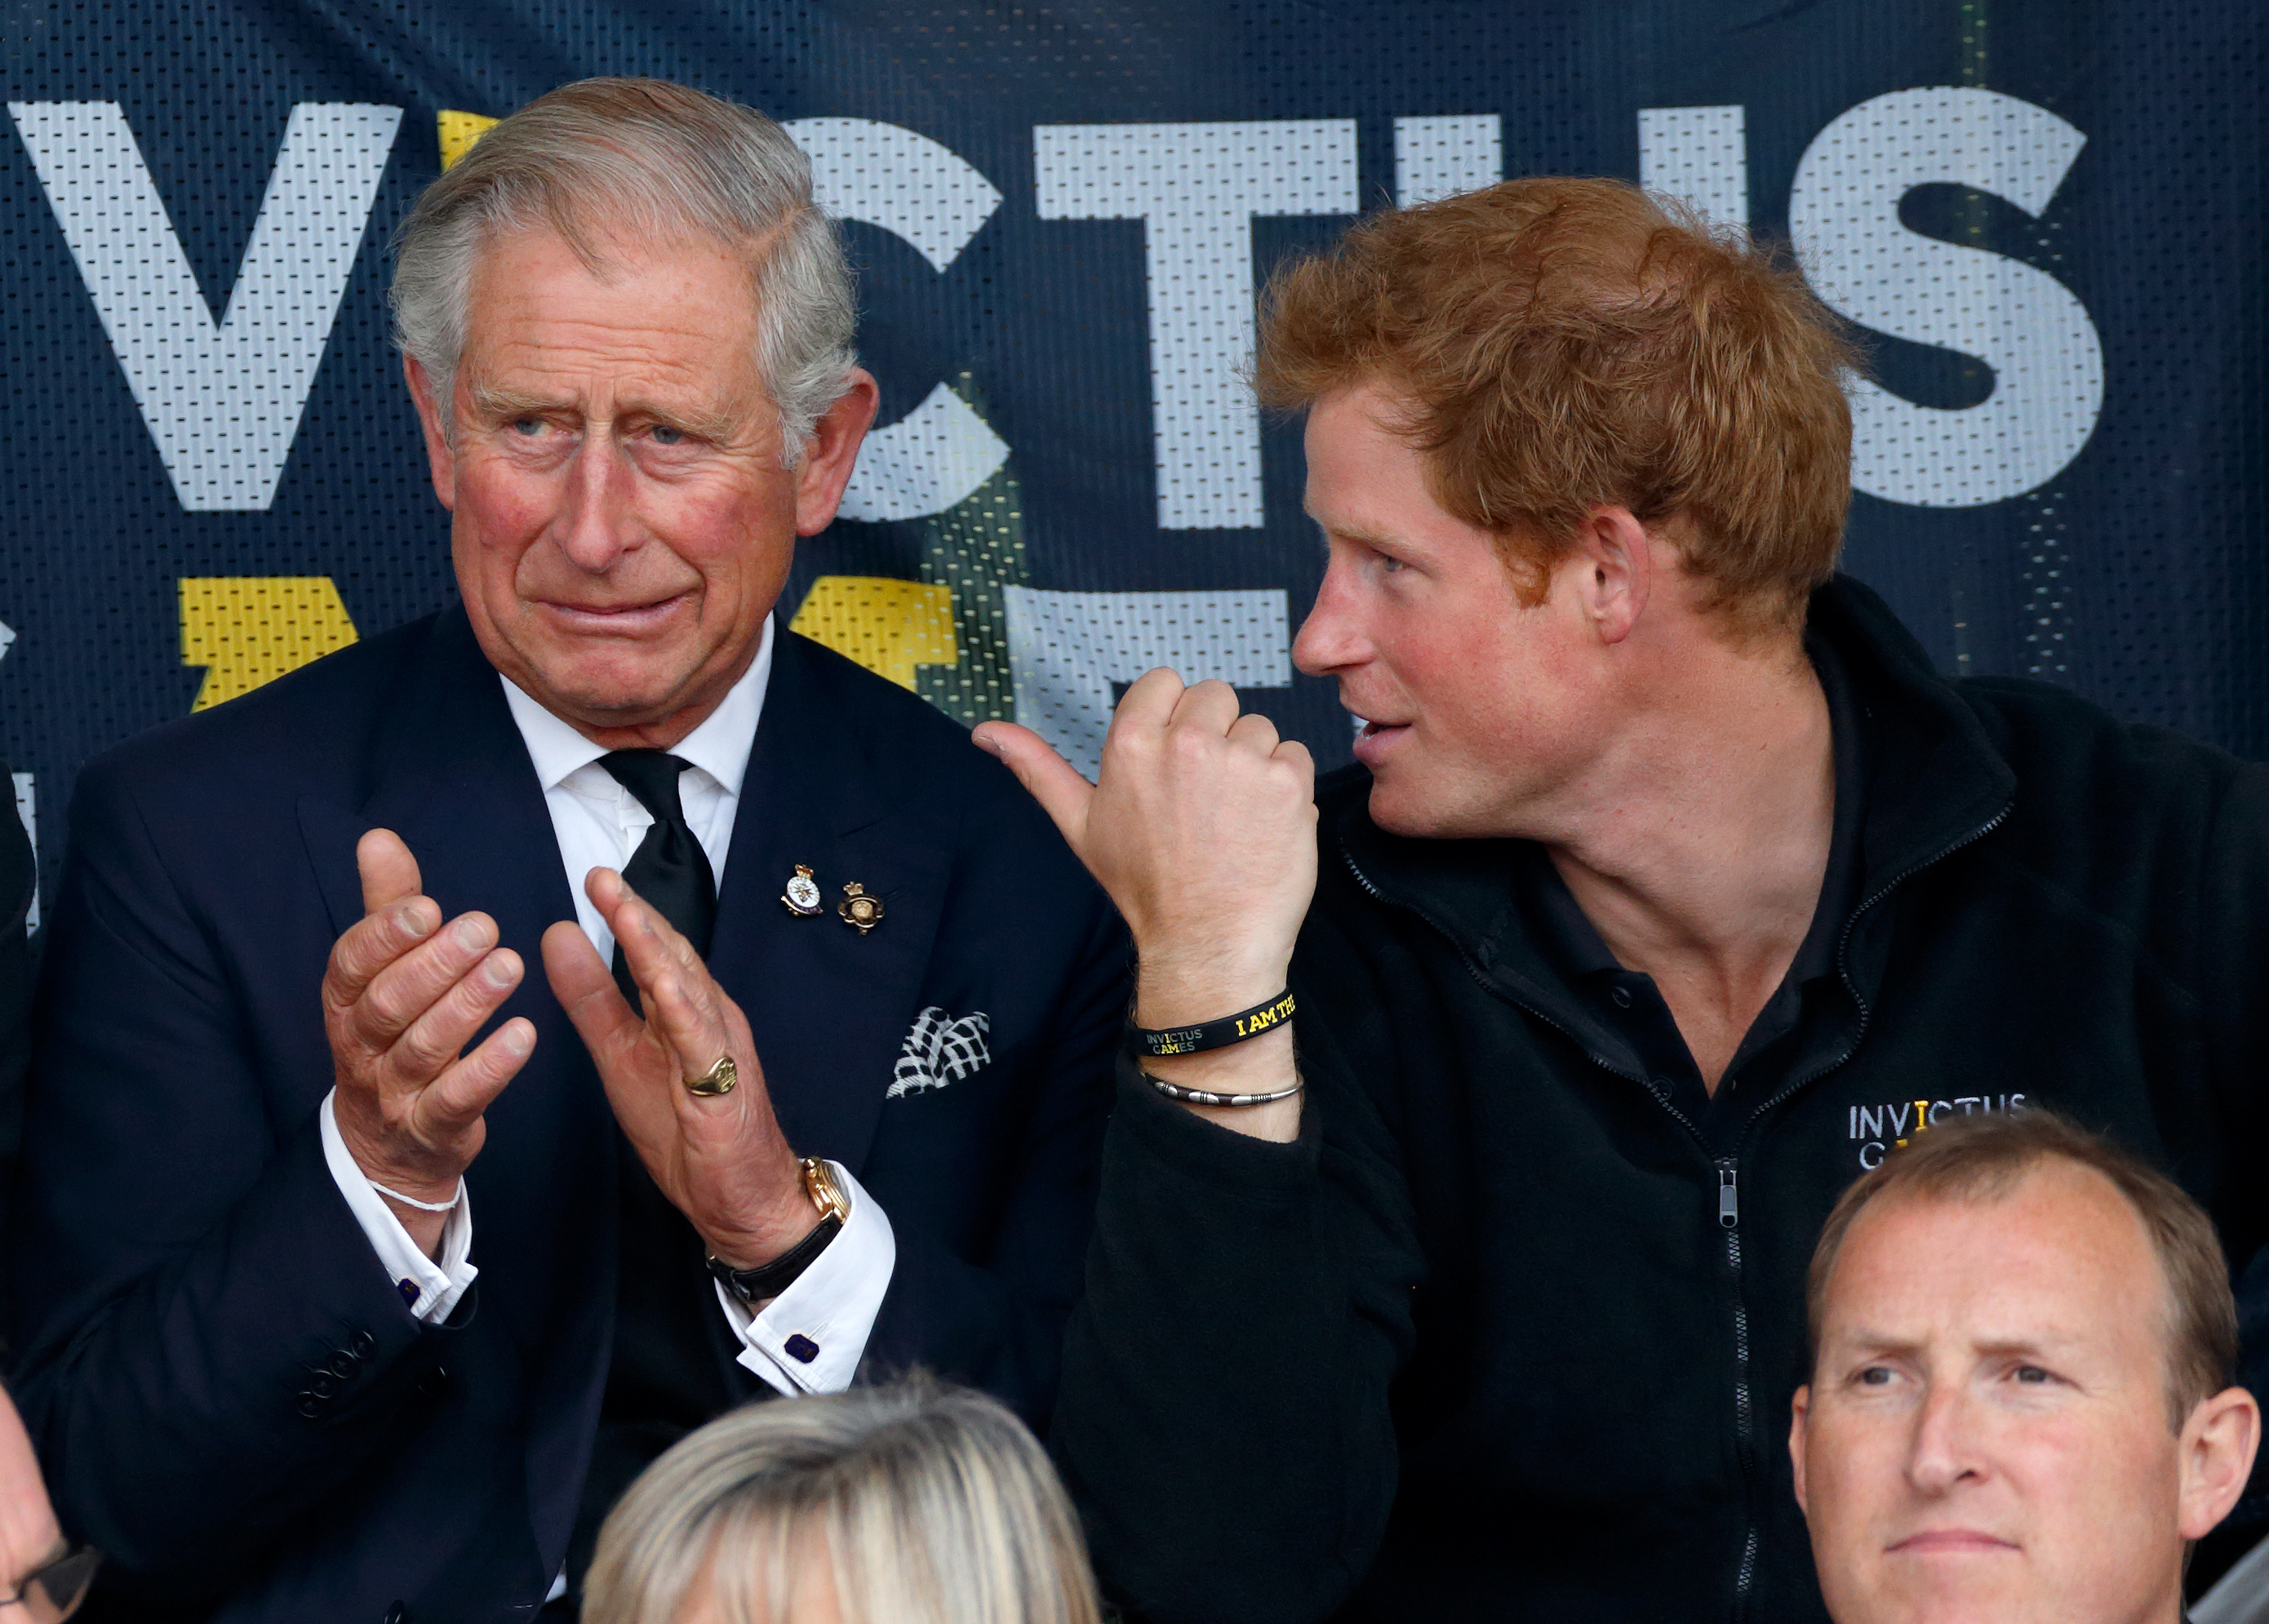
1986, 1437
623, 522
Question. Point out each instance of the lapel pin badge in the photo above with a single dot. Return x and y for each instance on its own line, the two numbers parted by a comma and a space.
801, 896
857, 908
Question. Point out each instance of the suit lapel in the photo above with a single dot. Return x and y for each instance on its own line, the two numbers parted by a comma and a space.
829, 786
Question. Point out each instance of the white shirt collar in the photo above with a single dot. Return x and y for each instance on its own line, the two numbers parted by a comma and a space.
719, 746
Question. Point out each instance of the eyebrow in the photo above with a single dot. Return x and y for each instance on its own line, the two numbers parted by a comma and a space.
497, 405
1353, 533
1865, 1343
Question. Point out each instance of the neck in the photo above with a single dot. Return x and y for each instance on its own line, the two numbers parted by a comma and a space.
1700, 844
662, 734
667, 729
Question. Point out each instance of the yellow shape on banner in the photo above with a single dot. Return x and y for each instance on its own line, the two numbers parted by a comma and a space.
458, 131
247, 629
889, 626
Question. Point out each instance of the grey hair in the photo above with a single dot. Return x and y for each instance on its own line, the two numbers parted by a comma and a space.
921, 1503
601, 159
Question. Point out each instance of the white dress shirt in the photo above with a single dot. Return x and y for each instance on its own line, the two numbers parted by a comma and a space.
809, 1339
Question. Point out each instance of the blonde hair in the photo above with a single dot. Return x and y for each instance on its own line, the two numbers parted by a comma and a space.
927, 1504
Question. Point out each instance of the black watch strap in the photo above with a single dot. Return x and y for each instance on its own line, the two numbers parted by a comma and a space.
770, 1279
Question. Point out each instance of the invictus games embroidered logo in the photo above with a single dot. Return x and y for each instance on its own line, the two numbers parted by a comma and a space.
1878, 1129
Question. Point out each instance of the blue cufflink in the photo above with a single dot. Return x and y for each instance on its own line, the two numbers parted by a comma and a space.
801, 1348
409, 1290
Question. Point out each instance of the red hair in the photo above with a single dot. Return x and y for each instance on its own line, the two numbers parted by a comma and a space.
1562, 345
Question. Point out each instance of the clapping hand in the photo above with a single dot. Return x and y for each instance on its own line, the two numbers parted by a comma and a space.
720, 1159
402, 997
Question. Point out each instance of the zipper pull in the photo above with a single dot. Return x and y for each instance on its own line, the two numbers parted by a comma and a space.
1729, 1192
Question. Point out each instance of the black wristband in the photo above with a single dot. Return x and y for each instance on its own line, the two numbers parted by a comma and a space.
770, 1279
1159, 1042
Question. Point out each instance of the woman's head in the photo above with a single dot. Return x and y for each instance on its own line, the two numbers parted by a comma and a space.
913, 1503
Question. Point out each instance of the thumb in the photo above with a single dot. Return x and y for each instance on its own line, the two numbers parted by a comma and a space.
586, 990
1052, 782
388, 872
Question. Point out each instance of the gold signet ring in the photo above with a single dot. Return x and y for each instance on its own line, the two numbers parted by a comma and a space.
719, 1079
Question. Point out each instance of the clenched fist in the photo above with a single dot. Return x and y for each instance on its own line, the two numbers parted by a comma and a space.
1201, 826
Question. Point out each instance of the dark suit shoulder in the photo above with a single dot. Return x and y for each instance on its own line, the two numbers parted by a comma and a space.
906, 738
298, 732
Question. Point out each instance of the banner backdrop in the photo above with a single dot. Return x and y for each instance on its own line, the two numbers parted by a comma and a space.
2047, 218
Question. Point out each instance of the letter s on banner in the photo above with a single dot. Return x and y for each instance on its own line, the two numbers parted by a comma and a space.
2047, 361
929, 195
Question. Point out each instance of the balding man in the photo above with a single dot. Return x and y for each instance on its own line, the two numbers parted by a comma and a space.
2022, 1406
817, 1078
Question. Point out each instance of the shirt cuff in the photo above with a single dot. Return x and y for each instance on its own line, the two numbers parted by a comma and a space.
811, 1338
429, 1288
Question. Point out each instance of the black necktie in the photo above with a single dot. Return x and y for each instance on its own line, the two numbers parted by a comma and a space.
669, 869
671, 1365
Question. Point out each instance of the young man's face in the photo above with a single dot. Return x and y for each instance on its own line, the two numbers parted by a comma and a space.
1479, 706
1986, 1437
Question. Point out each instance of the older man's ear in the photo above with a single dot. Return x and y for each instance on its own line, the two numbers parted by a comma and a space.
440, 457
833, 452
2216, 1457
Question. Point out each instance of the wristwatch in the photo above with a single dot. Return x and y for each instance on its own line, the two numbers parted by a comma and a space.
754, 1286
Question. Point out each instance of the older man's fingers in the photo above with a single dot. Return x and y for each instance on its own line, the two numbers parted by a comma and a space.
450, 1105
586, 990
694, 1028
414, 982
651, 948
428, 1044
374, 941
389, 873
616, 1035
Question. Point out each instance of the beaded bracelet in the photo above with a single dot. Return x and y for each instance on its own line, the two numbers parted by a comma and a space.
1202, 1096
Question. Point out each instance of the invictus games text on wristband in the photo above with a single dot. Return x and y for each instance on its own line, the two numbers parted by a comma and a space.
1159, 1042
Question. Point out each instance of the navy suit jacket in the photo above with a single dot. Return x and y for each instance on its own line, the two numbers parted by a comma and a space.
228, 1395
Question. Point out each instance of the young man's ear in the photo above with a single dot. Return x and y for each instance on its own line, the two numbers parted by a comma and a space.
440, 456
1613, 563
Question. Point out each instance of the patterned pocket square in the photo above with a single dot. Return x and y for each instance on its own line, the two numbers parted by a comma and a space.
940, 1050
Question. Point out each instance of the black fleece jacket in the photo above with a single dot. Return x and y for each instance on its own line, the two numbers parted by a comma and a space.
1500, 1336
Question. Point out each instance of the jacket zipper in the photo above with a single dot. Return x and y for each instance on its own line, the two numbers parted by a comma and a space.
1729, 1220
1729, 1201
1844, 964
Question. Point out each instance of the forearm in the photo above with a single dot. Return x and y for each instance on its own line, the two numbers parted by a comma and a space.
1223, 1414
1189, 988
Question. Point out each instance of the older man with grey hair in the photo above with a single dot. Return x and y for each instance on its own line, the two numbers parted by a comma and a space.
813, 1080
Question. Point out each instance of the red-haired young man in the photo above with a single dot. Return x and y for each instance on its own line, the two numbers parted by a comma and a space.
1672, 886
